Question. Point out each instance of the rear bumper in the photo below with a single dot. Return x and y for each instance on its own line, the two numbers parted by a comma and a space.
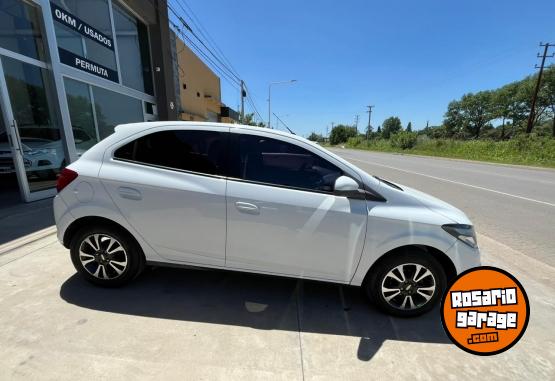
62, 216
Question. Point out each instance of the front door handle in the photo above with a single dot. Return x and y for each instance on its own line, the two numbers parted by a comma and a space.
130, 193
247, 207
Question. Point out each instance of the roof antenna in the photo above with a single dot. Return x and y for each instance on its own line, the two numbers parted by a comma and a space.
286, 126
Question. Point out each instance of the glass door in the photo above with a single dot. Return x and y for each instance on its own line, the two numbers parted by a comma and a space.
27, 99
31, 122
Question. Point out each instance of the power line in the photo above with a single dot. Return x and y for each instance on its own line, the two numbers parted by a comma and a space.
194, 46
227, 71
195, 20
253, 103
222, 65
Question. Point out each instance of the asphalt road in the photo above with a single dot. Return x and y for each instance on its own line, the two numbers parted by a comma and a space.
512, 205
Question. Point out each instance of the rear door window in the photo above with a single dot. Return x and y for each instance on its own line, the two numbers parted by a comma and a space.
188, 150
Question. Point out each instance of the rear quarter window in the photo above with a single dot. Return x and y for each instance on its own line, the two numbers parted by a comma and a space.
203, 152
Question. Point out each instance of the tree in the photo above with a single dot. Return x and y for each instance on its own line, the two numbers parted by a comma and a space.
249, 121
476, 112
409, 127
455, 121
468, 116
315, 137
391, 126
506, 106
341, 133
549, 94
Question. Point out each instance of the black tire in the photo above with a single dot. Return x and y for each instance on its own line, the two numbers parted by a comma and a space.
103, 267
418, 292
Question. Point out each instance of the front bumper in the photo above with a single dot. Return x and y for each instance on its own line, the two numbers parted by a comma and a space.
463, 256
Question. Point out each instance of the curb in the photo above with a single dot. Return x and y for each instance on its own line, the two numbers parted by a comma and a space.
25, 240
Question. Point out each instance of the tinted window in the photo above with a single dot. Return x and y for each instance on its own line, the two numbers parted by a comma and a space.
81, 114
114, 108
20, 28
276, 162
197, 151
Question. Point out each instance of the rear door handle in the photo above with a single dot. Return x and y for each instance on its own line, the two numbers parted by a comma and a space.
130, 193
247, 207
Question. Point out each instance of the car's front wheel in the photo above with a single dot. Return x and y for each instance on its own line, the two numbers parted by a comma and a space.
106, 256
407, 284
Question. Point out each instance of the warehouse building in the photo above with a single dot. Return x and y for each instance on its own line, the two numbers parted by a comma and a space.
198, 88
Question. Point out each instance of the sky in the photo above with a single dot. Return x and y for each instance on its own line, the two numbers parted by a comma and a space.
407, 58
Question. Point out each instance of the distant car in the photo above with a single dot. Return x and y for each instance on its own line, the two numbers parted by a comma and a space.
43, 152
257, 200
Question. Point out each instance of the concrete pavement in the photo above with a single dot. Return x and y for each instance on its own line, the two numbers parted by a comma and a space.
214, 325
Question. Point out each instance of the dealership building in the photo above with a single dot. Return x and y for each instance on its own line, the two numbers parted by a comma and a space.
71, 70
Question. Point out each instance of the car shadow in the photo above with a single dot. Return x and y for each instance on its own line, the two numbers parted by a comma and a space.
256, 301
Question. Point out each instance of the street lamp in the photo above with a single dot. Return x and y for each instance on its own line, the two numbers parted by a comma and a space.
270, 97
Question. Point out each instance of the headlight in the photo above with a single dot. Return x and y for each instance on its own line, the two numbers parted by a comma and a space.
43, 151
464, 233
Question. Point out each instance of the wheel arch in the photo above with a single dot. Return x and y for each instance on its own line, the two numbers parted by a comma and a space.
445, 262
79, 223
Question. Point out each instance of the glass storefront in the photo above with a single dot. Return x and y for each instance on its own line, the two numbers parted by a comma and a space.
91, 120
70, 71
133, 51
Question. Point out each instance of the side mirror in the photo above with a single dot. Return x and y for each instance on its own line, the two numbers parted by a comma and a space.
345, 184
347, 187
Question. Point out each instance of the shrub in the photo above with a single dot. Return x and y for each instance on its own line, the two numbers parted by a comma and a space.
404, 140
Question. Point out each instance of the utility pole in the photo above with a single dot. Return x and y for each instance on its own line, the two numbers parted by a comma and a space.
356, 122
243, 95
532, 115
369, 120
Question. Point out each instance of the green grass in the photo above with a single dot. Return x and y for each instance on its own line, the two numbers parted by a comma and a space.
523, 150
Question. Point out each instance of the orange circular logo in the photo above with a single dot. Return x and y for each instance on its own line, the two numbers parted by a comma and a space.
485, 311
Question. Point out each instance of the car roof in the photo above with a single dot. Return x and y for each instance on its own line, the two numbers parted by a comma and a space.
131, 128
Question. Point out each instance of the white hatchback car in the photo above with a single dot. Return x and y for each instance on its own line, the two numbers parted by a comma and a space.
258, 200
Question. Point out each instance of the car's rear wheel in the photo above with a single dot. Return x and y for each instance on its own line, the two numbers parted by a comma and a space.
407, 284
106, 256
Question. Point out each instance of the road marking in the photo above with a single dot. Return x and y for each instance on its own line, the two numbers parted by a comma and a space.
453, 182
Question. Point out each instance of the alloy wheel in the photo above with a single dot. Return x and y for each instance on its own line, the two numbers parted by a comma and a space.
103, 256
408, 286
